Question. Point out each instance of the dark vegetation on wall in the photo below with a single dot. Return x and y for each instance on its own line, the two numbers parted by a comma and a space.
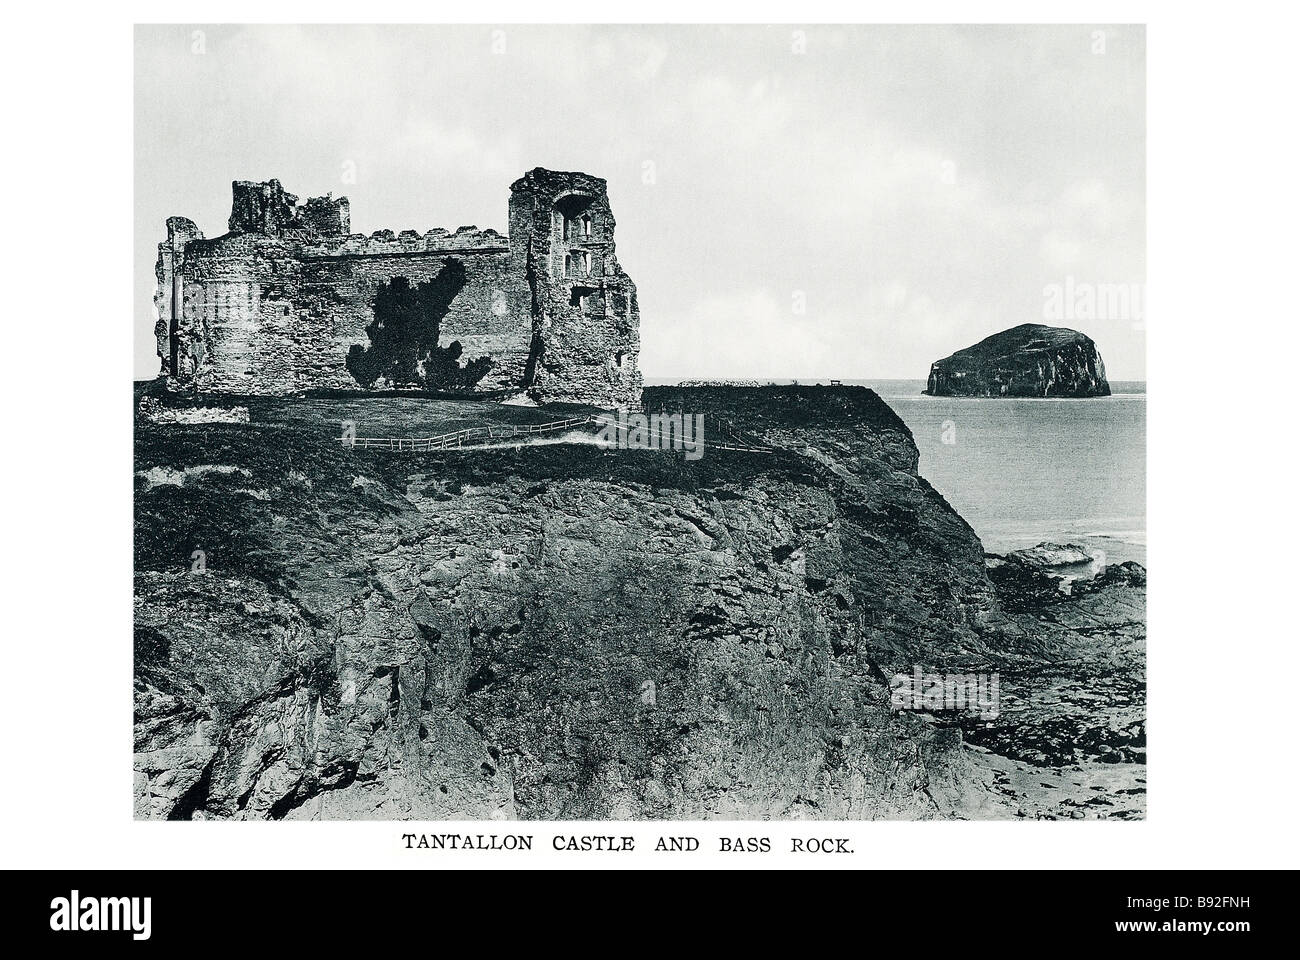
404, 337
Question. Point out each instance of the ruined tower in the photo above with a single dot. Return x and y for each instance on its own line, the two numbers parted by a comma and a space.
587, 324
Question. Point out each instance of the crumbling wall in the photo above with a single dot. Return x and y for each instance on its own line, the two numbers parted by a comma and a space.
273, 319
326, 216
261, 208
241, 293
168, 298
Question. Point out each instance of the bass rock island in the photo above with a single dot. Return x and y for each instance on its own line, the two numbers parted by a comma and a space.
1031, 360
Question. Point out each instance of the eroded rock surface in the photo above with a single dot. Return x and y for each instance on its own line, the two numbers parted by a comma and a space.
1073, 705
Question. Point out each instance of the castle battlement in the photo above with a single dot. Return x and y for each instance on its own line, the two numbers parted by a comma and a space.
386, 243
288, 299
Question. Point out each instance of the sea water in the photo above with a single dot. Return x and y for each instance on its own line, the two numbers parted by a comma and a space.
1025, 471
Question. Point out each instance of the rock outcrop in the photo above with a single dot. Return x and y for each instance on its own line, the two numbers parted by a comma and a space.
1031, 360
1048, 556
1073, 701
562, 631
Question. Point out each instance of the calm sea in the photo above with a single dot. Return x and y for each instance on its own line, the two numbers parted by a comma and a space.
1025, 471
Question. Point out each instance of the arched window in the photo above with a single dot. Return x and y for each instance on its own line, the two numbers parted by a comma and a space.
575, 219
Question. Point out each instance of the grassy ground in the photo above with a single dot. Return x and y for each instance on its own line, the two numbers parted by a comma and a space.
207, 484
374, 415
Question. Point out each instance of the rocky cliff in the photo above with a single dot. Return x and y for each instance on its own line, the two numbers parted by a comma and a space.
1031, 360
561, 630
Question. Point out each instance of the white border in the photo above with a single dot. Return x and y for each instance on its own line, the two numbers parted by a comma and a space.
1222, 215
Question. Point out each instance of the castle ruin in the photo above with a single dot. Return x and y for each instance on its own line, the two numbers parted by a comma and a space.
288, 300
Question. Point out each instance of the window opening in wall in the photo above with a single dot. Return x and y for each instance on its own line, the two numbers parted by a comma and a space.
586, 264
574, 218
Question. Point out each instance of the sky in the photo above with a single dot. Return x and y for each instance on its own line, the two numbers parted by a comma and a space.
809, 203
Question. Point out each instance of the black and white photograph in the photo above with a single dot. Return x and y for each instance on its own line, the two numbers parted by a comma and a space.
691, 441
782, 458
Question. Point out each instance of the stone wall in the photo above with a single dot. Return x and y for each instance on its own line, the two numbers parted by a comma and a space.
275, 305
277, 316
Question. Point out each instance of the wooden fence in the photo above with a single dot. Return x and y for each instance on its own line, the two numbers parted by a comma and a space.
472, 437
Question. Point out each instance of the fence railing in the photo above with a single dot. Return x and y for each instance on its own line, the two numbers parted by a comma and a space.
486, 435
469, 436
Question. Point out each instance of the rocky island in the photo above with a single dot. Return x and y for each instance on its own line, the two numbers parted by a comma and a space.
1031, 360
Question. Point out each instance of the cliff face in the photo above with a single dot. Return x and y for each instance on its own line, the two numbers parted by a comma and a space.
557, 631
1031, 360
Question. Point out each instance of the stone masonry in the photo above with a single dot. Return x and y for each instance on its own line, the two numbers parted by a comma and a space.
274, 305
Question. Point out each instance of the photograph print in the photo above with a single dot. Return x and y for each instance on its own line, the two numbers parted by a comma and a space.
672, 422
